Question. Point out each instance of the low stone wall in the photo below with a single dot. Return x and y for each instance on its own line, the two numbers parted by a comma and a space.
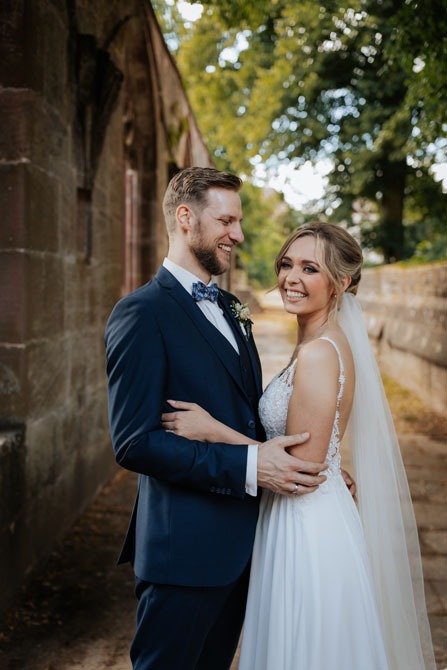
406, 314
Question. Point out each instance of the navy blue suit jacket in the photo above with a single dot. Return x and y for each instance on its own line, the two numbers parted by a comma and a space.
192, 522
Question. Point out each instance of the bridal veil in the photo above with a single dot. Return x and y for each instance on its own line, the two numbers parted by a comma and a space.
385, 505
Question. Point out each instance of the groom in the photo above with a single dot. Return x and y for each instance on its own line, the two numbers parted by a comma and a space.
192, 529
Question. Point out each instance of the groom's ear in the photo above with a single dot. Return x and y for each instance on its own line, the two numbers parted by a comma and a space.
183, 215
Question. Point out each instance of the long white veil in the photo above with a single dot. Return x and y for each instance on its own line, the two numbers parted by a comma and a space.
385, 506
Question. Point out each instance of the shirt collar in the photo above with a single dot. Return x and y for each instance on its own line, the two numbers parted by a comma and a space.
184, 277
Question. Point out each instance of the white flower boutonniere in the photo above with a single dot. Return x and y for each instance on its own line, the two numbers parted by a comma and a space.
242, 314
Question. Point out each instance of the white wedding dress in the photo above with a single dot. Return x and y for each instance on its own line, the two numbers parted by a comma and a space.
311, 602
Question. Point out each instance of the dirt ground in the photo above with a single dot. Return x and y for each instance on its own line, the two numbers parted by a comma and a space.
78, 612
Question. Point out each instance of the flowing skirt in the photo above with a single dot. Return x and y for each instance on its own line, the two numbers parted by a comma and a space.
311, 604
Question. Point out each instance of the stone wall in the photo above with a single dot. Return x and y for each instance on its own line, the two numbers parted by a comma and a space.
88, 140
406, 312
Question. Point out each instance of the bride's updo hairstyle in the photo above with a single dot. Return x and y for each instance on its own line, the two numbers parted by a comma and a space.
337, 253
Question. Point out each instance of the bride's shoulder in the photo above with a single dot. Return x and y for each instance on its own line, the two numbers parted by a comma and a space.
322, 351
317, 369
317, 352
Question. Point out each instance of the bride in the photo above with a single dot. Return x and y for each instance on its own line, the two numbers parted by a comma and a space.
332, 587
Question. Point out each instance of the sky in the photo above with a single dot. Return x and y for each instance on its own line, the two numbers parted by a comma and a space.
188, 11
300, 185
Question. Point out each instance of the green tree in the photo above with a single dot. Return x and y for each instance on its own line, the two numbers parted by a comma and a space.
419, 45
292, 81
267, 222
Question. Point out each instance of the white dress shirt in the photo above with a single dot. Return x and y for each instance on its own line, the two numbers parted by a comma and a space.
215, 315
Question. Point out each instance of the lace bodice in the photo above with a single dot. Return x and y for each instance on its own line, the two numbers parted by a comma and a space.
274, 405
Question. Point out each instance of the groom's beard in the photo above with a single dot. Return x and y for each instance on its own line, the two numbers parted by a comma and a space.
208, 260
207, 254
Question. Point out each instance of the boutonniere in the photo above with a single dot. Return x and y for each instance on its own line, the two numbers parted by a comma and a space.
242, 314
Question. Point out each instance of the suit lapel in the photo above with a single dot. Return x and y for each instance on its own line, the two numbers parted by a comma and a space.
205, 328
248, 344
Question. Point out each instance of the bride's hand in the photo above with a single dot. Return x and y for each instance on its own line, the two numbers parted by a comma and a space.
192, 422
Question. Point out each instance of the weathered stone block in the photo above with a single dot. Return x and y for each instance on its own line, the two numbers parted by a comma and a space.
44, 295
107, 244
12, 206
427, 380
29, 201
27, 55
13, 383
436, 540
86, 364
68, 215
430, 516
75, 295
12, 297
94, 426
47, 376
440, 586
12, 476
414, 337
434, 603
46, 457
49, 73
433, 566
111, 292
406, 315
32, 131
16, 108
12, 504
12, 43
75, 486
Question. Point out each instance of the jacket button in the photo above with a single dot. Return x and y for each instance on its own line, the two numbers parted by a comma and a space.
251, 423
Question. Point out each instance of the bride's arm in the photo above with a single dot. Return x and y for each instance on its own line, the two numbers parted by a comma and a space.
314, 399
195, 423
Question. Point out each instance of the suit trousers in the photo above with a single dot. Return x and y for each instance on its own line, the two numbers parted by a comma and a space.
188, 628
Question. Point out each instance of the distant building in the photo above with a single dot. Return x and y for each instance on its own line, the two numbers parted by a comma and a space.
94, 121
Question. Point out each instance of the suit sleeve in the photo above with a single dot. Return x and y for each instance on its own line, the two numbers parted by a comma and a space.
137, 370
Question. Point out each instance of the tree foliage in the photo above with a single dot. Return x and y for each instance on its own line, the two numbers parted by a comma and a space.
268, 220
360, 82
419, 44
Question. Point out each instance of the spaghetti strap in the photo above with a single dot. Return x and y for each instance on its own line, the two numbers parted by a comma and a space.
341, 377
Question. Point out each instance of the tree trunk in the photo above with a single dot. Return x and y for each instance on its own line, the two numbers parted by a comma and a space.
394, 178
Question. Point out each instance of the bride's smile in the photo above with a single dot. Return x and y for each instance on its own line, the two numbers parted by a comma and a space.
304, 286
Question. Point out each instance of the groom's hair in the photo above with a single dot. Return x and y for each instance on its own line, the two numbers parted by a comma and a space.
190, 186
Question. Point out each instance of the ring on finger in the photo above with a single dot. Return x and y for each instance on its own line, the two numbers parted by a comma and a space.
295, 490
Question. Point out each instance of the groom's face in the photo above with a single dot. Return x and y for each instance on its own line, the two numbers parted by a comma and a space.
216, 229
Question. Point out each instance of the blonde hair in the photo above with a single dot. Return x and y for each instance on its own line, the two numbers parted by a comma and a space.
337, 253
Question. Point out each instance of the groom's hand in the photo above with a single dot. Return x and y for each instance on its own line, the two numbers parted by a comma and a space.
350, 483
280, 472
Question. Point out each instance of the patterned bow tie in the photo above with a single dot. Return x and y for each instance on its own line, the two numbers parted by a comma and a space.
202, 292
